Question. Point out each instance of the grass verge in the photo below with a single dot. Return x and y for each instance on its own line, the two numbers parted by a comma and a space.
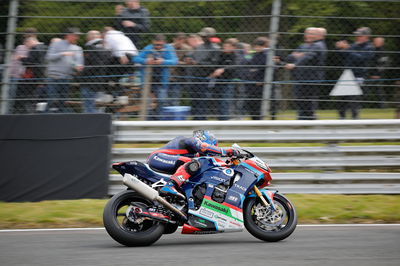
310, 208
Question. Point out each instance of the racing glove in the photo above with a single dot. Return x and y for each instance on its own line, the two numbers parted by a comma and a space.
232, 153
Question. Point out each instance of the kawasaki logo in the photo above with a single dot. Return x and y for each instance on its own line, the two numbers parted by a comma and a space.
216, 207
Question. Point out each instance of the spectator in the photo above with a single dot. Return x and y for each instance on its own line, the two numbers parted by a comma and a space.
256, 76
312, 52
55, 39
34, 62
119, 9
226, 73
243, 54
96, 57
204, 57
194, 40
357, 57
18, 73
17, 70
65, 60
133, 20
122, 48
159, 55
380, 62
178, 73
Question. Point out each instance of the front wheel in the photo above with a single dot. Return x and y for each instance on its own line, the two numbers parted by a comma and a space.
267, 224
126, 229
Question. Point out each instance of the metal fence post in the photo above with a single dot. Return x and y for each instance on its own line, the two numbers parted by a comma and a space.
10, 41
146, 93
269, 70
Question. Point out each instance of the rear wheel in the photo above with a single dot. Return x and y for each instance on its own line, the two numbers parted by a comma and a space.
267, 224
126, 229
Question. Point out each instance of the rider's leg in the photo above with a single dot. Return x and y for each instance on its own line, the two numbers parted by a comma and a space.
183, 173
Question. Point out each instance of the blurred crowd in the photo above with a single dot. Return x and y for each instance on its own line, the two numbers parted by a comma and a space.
219, 79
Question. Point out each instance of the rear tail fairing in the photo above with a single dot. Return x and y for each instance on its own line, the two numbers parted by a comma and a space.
141, 170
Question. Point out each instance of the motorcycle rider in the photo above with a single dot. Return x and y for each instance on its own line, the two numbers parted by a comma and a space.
176, 158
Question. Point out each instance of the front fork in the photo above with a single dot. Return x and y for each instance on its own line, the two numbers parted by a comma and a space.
266, 196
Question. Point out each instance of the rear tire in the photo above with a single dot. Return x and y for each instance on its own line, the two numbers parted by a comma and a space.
124, 231
266, 225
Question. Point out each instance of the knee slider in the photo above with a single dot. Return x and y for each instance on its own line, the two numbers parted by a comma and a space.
192, 167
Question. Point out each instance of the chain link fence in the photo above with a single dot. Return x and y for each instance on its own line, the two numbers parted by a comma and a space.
216, 59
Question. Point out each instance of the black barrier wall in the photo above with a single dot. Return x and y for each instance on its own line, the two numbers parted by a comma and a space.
57, 156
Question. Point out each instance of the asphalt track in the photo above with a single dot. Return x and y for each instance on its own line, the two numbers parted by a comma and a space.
309, 245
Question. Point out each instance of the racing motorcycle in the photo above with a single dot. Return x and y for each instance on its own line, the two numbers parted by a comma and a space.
220, 198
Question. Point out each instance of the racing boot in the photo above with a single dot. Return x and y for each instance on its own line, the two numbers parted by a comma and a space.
170, 190
177, 179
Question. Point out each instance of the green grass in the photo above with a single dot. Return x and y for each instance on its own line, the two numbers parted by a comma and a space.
310, 209
367, 113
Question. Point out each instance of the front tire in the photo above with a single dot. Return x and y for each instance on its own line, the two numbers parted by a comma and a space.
267, 225
122, 229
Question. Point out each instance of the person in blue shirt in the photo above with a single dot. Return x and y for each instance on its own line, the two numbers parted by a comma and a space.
160, 55
176, 158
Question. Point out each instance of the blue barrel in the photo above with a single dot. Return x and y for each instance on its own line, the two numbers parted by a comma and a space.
175, 112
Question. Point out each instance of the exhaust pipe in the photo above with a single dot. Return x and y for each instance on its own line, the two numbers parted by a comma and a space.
148, 192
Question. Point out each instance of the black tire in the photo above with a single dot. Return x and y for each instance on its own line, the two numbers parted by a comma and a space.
126, 232
271, 232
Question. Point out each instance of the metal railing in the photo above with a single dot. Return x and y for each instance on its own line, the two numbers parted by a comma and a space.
332, 167
263, 131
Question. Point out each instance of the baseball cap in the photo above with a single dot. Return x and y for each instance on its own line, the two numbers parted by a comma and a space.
207, 32
363, 31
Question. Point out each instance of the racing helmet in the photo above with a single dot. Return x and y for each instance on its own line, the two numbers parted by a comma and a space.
205, 136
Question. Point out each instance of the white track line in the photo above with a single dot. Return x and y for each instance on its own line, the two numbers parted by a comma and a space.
50, 229
102, 228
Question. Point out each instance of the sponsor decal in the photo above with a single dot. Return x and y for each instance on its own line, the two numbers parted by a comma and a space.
233, 198
163, 160
229, 172
235, 224
220, 179
216, 207
221, 212
240, 187
220, 218
250, 171
180, 178
222, 224
199, 223
206, 213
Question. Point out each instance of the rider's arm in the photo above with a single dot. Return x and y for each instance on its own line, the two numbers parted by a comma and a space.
207, 149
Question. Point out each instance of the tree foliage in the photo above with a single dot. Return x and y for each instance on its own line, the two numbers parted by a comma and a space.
198, 14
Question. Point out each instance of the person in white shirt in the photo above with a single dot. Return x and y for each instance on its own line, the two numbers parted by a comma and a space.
123, 51
121, 46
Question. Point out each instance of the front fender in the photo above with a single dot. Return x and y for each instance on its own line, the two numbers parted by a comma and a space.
268, 194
